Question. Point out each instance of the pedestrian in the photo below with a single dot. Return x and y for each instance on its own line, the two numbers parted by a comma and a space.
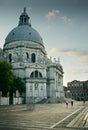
66, 103
71, 103
84, 101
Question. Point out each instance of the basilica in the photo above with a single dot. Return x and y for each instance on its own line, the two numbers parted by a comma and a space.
25, 50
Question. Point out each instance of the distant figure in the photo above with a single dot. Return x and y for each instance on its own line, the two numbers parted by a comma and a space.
84, 101
71, 103
66, 103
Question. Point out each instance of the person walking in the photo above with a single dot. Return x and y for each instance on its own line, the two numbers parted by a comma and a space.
66, 103
84, 101
71, 103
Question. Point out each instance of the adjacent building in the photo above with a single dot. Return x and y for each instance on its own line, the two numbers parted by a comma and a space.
77, 90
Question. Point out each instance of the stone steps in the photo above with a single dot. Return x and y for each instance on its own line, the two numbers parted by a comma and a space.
81, 120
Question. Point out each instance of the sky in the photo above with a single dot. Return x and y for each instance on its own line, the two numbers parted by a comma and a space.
63, 25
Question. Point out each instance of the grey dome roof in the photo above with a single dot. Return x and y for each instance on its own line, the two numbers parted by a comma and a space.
23, 32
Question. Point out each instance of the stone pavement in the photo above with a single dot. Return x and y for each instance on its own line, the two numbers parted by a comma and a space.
43, 117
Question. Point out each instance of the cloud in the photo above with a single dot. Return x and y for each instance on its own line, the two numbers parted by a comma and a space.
66, 19
55, 12
52, 13
54, 50
80, 70
81, 55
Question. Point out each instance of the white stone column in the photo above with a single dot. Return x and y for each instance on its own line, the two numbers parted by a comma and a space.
44, 91
27, 92
62, 89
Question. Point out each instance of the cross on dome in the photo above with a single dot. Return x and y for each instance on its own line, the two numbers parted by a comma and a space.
24, 9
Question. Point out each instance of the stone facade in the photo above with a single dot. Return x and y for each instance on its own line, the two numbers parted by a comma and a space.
78, 90
24, 49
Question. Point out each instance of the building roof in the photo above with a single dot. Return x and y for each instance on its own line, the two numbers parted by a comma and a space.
23, 31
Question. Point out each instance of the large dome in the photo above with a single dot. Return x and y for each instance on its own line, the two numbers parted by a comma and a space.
23, 31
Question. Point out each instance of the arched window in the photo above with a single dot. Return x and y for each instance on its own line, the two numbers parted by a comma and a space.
32, 57
40, 75
32, 75
24, 20
27, 55
10, 57
36, 74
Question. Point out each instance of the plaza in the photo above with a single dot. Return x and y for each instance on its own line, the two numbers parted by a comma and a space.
44, 117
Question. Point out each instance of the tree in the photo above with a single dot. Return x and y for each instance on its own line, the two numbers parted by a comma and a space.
8, 81
18, 84
6, 77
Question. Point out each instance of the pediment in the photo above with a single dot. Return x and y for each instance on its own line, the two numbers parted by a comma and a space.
36, 65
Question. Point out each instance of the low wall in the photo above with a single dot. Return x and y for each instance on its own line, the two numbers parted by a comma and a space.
4, 100
16, 100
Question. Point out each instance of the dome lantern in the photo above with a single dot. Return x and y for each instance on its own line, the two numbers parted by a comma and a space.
24, 18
